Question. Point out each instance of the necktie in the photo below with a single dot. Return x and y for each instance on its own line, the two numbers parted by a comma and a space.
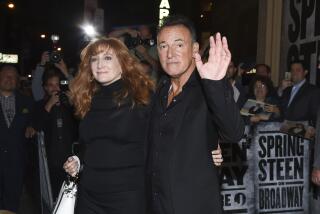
10, 115
293, 94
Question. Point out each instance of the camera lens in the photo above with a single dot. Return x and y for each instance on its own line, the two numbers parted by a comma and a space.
63, 98
55, 57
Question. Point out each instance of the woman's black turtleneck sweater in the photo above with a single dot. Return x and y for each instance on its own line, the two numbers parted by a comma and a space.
115, 138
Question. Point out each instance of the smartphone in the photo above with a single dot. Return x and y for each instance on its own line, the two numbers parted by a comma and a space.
287, 75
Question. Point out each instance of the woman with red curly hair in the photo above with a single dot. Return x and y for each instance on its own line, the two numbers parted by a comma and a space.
111, 93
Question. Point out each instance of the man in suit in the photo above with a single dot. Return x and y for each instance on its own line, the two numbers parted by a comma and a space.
15, 111
193, 107
239, 93
300, 101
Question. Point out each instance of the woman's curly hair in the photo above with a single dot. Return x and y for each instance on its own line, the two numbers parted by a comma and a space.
136, 82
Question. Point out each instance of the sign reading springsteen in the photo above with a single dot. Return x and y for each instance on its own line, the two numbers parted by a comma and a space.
281, 171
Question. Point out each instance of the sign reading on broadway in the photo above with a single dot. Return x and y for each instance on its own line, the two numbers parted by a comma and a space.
281, 167
269, 174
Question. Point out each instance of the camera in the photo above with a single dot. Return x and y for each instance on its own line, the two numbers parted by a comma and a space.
132, 42
64, 87
55, 56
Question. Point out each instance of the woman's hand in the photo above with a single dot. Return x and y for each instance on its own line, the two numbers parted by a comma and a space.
72, 166
255, 119
217, 156
272, 108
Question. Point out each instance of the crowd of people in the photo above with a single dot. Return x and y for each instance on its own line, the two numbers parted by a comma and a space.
148, 115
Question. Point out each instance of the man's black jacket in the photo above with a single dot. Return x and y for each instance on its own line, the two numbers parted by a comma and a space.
181, 173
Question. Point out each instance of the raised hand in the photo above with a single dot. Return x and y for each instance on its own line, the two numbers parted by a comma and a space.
45, 58
218, 61
62, 67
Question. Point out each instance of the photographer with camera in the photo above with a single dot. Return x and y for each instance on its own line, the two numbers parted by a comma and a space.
54, 116
48, 59
140, 42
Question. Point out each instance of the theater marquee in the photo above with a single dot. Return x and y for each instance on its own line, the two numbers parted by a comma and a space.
164, 10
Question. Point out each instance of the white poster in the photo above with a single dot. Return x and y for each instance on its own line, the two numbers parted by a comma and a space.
266, 172
281, 167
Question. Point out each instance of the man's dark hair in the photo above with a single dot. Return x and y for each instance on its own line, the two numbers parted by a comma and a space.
300, 62
263, 65
50, 73
175, 20
8, 66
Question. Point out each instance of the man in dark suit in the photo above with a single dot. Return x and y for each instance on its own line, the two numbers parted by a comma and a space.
15, 111
300, 101
239, 93
193, 107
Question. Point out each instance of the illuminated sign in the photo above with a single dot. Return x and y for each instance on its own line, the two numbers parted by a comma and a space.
163, 10
8, 58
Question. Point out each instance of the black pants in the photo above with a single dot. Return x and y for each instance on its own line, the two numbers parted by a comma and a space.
132, 202
11, 185
57, 176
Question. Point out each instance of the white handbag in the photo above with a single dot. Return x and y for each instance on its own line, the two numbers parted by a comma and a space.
67, 198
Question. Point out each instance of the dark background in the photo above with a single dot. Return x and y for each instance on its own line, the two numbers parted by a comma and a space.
21, 27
